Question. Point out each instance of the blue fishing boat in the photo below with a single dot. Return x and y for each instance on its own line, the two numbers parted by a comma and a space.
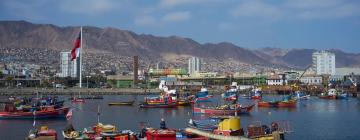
203, 96
231, 94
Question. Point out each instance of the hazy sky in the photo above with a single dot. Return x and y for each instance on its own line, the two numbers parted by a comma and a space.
320, 24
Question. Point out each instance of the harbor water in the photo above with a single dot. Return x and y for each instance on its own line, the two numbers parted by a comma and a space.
315, 118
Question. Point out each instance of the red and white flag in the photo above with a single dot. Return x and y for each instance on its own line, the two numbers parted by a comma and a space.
75, 52
69, 114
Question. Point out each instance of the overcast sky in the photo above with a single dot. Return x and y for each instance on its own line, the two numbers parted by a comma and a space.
320, 24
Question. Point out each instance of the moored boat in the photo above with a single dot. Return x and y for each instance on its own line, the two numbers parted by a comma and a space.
231, 94
145, 105
224, 110
45, 112
331, 94
202, 96
300, 95
286, 103
256, 94
44, 133
98, 132
121, 103
342, 96
230, 128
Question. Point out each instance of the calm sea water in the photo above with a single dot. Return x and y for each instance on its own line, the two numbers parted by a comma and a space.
312, 119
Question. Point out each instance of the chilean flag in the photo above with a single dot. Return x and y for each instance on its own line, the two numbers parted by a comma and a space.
75, 52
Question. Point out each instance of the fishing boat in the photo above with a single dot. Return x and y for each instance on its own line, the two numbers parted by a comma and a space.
121, 103
166, 96
342, 96
300, 95
224, 110
256, 94
331, 94
160, 134
10, 112
289, 103
202, 96
44, 133
98, 132
231, 94
230, 128
204, 124
146, 105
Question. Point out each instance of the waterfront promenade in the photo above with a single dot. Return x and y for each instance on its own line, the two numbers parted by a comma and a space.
84, 91
70, 91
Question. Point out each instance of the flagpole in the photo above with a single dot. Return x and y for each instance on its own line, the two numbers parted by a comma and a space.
81, 47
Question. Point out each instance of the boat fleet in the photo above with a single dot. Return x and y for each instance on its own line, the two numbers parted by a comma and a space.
223, 120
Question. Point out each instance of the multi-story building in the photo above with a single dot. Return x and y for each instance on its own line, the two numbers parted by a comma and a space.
324, 62
194, 65
69, 68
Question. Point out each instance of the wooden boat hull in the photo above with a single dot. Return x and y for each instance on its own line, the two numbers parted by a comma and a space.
121, 103
240, 110
60, 112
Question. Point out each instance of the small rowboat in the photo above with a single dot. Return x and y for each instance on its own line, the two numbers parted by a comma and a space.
239, 109
121, 103
48, 113
145, 105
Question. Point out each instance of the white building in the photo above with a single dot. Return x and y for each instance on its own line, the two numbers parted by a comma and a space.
276, 79
311, 80
194, 65
68, 67
324, 62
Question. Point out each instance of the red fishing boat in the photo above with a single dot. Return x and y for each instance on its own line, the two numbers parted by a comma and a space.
331, 94
146, 105
224, 110
290, 103
10, 112
160, 134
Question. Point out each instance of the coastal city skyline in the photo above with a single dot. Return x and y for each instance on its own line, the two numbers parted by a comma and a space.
319, 24
179, 69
